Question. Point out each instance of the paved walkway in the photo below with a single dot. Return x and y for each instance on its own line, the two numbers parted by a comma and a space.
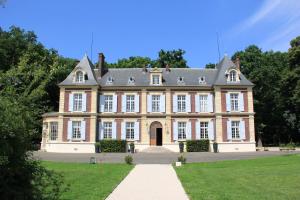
150, 182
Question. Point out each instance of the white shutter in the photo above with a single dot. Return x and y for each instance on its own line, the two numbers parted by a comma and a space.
82, 130
228, 105
210, 103
188, 103
229, 133
137, 131
197, 130
241, 101
149, 103
113, 131
211, 135
175, 109
100, 131
115, 103
70, 102
137, 103
123, 103
197, 103
102, 102
123, 131
84, 102
162, 103
242, 130
69, 130
188, 130
175, 131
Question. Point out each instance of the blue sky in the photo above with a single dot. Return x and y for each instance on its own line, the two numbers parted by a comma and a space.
141, 28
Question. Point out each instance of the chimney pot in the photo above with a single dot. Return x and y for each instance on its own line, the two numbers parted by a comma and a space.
237, 62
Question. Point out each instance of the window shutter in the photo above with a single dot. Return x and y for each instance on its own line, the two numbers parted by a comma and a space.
175, 109
123, 131
175, 131
124, 103
210, 103
197, 130
113, 131
162, 103
69, 130
229, 133
211, 134
84, 102
101, 103
188, 130
149, 103
188, 103
197, 103
228, 105
242, 130
137, 103
100, 131
241, 101
82, 130
115, 103
70, 102
137, 131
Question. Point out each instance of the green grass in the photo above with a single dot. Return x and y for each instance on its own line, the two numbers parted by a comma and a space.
273, 178
90, 181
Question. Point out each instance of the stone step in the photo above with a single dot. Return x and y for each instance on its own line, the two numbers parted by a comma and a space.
156, 149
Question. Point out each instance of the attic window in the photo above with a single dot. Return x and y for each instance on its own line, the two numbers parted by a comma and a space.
233, 76
79, 77
131, 80
202, 80
180, 79
110, 80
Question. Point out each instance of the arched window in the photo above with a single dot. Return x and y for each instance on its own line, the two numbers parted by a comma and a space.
79, 77
232, 76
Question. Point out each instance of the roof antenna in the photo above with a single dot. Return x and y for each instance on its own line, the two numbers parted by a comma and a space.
218, 43
92, 47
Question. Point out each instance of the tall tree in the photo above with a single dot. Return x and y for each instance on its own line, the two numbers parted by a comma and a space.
131, 62
173, 58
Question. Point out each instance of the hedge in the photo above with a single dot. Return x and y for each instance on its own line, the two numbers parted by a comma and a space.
112, 145
197, 145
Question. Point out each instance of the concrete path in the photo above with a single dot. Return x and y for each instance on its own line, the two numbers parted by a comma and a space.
150, 182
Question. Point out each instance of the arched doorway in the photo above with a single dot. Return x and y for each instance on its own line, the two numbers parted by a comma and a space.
156, 134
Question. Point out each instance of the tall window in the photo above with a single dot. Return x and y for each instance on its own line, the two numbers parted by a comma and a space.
234, 101
181, 103
203, 103
155, 103
203, 130
129, 103
77, 102
129, 130
108, 103
107, 130
155, 79
53, 130
181, 130
76, 130
79, 77
235, 129
232, 76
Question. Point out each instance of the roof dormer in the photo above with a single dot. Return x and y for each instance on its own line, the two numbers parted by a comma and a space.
156, 77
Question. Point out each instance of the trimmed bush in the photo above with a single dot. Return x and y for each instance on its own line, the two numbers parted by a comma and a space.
128, 159
181, 159
181, 147
197, 145
112, 145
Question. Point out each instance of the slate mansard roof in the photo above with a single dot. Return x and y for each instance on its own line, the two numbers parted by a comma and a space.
190, 76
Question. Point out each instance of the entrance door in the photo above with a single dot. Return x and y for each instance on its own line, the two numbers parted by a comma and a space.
159, 136
156, 133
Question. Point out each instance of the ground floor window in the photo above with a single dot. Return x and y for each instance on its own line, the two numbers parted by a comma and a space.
129, 130
76, 130
107, 132
235, 129
203, 130
53, 131
181, 130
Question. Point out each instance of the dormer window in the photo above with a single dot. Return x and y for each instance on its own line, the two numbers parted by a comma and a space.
79, 77
180, 80
233, 76
131, 80
156, 79
110, 80
202, 80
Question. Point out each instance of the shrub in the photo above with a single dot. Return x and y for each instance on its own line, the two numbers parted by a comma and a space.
128, 159
197, 145
182, 159
112, 145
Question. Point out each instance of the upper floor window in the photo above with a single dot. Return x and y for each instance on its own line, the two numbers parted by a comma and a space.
181, 130
204, 130
155, 103
203, 103
234, 101
181, 103
131, 80
129, 130
107, 130
108, 103
235, 129
180, 80
129, 103
233, 76
53, 131
155, 79
109, 80
79, 77
76, 129
77, 102
202, 80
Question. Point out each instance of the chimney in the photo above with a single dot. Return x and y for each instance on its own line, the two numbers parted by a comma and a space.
167, 67
144, 68
101, 64
237, 63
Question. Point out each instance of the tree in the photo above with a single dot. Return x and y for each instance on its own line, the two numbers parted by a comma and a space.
210, 66
131, 62
173, 58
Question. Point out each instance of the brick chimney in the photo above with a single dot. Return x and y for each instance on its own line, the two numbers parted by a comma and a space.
237, 63
101, 64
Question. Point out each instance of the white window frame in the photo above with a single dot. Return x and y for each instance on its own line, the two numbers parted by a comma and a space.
53, 132
130, 103
76, 130
181, 103
129, 130
203, 98
155, 79
108, 103
235, 130
233, 76
79, 77
182, 130
155, 103
107, 130
77, 102
203, 130
234, 102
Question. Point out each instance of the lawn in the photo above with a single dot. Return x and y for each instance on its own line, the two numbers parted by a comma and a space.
90, 181
264, 178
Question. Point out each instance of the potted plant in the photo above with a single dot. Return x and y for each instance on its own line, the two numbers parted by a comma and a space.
181, 147
215, 146
131, 145
97, 147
